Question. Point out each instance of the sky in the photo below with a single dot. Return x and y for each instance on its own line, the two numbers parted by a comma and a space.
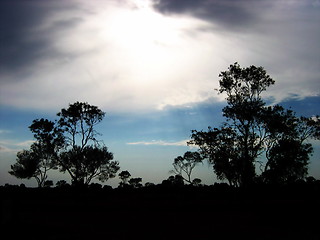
152, 66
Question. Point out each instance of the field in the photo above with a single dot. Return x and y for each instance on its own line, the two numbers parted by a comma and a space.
160, 213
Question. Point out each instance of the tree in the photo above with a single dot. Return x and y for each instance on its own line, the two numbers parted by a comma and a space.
85, 159
69, 144
48, 183
288, 161
135, 182
219, 146
78, 122
245, 107
48, 135
186, 164
124, 176
61, 183
27, 166
90, 162
196, 182
176, 180
286, 149
149, 184
42, 155
252, 128
242, 132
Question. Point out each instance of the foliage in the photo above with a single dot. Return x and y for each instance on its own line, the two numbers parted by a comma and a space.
90, 162
135, 182
287, 152
61, 183
42, 155
48, 183
174, 181
124, 176
196, 182
186, 164
288, 161
26, 165
77, 122
252, 128
85, 159
219, 146
69, 144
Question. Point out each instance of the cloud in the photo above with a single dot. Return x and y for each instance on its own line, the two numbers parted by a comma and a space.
112, 55
233, 15
229, 14
279, 35
161, 143
10, 146
4, 131
126, 57
22, 42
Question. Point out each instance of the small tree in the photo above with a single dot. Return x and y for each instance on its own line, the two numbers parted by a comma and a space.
42, 155
124, 176
186, 164
27, 166
135, 182
48, 183
196, 182
176, 181
61, 183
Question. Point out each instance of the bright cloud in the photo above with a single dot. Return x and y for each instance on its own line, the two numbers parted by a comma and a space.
10, 146
161, 143
130, 56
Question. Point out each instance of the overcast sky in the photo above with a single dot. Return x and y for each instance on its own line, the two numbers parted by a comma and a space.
152, 66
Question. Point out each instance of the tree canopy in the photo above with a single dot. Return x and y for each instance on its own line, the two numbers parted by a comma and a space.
252, 128
185, 164
69, 144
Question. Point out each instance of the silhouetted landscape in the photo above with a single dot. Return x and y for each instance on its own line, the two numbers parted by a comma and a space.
281, 201
134, 119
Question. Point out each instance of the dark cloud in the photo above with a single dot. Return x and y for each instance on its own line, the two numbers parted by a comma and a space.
22, 41
228, 13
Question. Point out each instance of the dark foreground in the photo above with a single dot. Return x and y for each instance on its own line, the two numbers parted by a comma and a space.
161, 213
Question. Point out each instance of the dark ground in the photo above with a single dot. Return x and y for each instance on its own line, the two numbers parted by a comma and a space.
161, 213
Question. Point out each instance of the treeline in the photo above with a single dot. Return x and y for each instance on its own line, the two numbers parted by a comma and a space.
175, 184
254, 136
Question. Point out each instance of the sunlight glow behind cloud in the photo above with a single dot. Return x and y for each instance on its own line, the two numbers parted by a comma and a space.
126, 56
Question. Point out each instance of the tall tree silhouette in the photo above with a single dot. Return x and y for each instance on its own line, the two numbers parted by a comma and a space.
85, 159
252, 128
